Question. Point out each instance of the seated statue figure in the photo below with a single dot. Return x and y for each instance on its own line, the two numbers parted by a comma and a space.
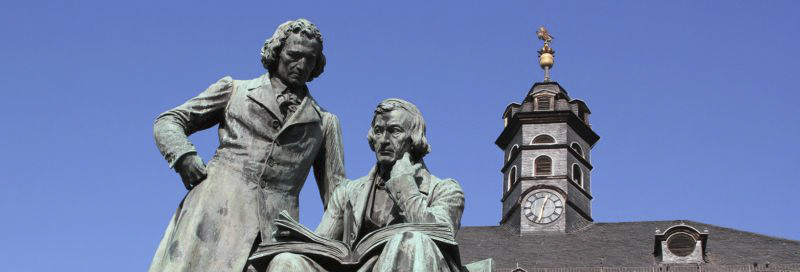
398, 189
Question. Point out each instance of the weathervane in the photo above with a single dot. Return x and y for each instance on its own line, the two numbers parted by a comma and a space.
546, 53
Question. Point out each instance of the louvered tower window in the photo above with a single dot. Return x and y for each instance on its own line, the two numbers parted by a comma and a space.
543, 139
543, 166
544, 103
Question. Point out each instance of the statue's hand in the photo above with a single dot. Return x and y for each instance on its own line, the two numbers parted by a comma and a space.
192, 170
404, 166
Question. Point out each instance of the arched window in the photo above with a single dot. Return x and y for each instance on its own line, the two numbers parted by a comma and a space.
514, 149
577, 175
543, 166
577, 148
543, 139
512, 177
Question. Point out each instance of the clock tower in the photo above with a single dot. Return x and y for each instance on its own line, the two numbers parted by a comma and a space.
547, 142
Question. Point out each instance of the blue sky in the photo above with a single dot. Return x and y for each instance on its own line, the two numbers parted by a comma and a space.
695, 103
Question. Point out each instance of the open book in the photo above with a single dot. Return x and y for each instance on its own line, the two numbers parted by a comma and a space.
293, 237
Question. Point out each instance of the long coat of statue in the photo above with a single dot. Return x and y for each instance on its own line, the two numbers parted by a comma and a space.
427, 199
257, 171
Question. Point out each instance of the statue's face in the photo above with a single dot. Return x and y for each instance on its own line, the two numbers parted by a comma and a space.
297, 59
392, 136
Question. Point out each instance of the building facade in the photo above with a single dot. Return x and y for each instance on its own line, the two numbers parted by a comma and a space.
546, 223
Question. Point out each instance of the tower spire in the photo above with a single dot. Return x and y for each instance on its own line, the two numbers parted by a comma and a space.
546, 142
546, 52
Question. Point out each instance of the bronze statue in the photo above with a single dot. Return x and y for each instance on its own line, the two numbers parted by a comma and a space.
271, 133
398, 190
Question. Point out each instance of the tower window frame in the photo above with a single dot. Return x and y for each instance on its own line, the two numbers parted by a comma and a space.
512, 177
511, 152
579, 178
578, 149
543, 166
543, 139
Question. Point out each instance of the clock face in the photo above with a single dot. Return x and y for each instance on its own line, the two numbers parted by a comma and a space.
543, 207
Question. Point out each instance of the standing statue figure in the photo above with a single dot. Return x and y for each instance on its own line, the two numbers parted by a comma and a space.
398, 189
271, 132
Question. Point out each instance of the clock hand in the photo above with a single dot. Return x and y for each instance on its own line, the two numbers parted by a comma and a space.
541, 210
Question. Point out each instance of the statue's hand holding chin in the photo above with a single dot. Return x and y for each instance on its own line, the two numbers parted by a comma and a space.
404, 167
192, 170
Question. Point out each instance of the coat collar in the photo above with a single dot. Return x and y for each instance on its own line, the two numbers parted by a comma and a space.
261, 91
307, 112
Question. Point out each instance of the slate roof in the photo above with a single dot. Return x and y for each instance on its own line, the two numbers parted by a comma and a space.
624, 244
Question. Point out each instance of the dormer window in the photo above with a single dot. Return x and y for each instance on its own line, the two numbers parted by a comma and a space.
543, 102
681, 244
511, 109
543, 139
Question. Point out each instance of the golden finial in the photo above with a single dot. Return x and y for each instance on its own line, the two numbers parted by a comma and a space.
546, 53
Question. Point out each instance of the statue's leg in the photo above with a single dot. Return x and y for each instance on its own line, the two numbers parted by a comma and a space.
411, 251
251, 268
255, 267
290, 262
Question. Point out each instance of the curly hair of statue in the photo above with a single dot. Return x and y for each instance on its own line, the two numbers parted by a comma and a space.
271, 50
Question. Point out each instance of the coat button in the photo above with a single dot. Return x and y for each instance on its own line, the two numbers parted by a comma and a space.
397, 195
271, 162
352, 236
276, 124
263, 184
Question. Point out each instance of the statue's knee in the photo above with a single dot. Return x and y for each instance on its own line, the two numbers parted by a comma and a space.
401, 236
410, 237
284, 260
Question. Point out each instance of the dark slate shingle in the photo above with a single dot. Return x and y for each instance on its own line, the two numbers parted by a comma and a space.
625, 244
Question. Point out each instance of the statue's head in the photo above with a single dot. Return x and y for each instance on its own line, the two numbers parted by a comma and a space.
397, 128
294, 52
